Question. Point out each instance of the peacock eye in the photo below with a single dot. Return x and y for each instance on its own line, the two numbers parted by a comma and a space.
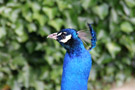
63, 35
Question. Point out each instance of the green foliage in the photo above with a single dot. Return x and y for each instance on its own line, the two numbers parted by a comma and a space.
29, 61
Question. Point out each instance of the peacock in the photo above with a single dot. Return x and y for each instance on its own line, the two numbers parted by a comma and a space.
77, 61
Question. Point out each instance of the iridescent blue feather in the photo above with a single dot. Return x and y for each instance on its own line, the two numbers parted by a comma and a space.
93, 37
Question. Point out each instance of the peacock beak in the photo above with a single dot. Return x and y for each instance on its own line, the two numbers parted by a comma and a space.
52, 36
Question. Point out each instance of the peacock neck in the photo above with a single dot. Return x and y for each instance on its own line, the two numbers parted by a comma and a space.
76, 68
76, 47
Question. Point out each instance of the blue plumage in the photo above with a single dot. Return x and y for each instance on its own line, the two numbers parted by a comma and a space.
77, 60
93, 37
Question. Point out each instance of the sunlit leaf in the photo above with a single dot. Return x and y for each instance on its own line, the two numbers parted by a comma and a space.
126, 27
2, 32
130, 3
113, 48
50, 12
101, 11
63, 5
56, 24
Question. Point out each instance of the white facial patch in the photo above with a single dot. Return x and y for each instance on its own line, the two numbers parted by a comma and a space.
59, 34
65, 32
68, 37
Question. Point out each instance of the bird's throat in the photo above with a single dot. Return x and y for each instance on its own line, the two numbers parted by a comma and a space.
75, 47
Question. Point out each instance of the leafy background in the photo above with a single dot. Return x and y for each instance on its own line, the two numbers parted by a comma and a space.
29, 61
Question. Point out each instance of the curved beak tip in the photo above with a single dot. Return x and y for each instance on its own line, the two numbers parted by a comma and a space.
52, 36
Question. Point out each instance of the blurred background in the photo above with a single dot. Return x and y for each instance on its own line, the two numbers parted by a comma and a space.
30, 61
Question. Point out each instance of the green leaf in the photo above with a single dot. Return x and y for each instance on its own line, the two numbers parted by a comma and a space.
101, 11
40, 18
2, 32
130, 3
57, 24
62, 5
88, 3
38, 46
50, 12
14, 15
15, 45
113, 48
71, 19
126, 9
30, 47
128, 43
126, 27
1, 1
114, 16
39, 85
31, 27
19, 60
132, 20
110, 70
85, 3
1, 44
50, 59
25, 76
49, 2
27, 14
42, 32
35, 6
22, 38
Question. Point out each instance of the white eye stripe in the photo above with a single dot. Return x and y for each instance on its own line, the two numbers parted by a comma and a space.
66, 39
65, 32
59, 34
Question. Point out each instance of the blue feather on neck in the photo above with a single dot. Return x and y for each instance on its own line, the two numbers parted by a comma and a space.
76, 67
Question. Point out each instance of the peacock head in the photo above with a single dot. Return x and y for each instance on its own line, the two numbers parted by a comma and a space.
67, 38
71, 39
